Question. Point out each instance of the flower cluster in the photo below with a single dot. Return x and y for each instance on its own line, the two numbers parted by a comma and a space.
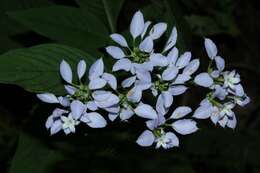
82, 101
226, 90
142, 68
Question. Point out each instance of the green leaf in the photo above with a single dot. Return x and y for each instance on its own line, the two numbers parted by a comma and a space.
33, 155
68, 25
36, 69
9, 28
105, 10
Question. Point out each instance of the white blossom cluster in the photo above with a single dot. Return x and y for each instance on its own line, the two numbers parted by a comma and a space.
142, 69
226, 90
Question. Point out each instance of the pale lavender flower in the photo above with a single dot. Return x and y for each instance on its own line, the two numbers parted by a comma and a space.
156, 133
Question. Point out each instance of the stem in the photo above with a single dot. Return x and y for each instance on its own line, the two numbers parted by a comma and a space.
209, 67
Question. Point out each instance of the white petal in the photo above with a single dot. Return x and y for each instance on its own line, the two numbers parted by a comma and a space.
101, 95
70, 89
211, 48
111, 80
192, 67
64, 101
158, 59
220, 92
65, 71
167, 98
220, 63
146, 66
172, 40
203, 79
145, 111
96, 120
77, 109
91, 105
137, 24
112, 116
239, 90
48, 98
146, 45
185, 126
49, 122
203, 112
58, 112
143, 85
119, 39
134, 95
215, 74
170, 73
182, 78
128, 82
183, 60
126, 114
178, 90
115, 52
152, 124
56, 127
110, 101
113, 109
173, 56
205, 102
180, 112
214, 118
146, 25
96, 69
174, 141
146, 139
122, 64
81, 69
158, 30
144, 76
232, 123
160, 105
97, 83
223, 121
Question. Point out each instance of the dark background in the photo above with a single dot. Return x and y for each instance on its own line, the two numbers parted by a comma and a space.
26, 147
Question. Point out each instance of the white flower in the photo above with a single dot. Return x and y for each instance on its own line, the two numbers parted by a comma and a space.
68, 124
156, 124
167, 140
53, 122
231, 79
140, 58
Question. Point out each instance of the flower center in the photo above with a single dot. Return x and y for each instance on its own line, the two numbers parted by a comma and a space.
138, 56
83, 94
161, 85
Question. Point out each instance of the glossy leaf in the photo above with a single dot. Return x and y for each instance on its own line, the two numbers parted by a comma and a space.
37, 69
67, 25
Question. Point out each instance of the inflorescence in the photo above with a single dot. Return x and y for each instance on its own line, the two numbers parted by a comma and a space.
164, 73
